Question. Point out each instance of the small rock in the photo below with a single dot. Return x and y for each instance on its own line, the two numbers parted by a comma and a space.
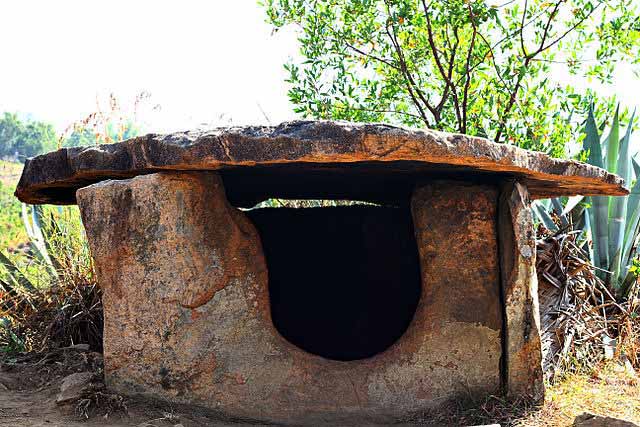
609, 345
591, 420
78, 347
628, 367
73, 387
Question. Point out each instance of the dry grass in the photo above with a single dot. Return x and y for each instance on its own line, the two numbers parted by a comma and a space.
10, 172
610, 391
65, 314
12, 233
54, 304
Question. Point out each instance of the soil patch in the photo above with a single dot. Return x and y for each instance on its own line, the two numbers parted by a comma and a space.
30, 384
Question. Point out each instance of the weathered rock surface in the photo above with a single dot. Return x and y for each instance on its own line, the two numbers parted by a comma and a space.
74, 387
591, 420
459, 312
187, 313
523, 349
264, 162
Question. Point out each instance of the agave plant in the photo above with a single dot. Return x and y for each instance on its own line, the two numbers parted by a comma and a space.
41, 254
612, 222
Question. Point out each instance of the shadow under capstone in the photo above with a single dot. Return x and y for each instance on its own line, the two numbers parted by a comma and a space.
344, 282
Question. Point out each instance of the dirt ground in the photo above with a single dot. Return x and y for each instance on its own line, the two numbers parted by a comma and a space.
29, 385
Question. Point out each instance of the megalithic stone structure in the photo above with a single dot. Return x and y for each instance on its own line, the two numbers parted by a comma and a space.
360, 313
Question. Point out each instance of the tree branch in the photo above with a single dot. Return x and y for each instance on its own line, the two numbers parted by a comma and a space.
524, 14
573, 27
414, 91
369, 55
493, 60
528, 58
376, 110
463, 127
449, 86
452, 59
405, 73
505, 38
547, 26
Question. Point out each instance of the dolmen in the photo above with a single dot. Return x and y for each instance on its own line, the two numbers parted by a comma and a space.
314, 272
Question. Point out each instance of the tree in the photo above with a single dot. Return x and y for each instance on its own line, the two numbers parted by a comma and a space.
20, 139
466, 66
10, 130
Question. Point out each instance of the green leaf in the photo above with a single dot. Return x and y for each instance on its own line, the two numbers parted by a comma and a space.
572, 202
635, 163
558, 208
15, 273
633, 201
634, 197
618, 206
599, 212
36, 236
591, 142
613, 144
543, 216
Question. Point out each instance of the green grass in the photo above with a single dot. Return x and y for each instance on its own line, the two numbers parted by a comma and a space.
48, 294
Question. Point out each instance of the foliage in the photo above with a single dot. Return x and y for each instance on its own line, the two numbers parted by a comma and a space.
613, 222
106, 125
83, 136
48, 294
465, 66
20, 139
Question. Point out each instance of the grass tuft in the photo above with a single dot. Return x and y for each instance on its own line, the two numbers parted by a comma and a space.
51, 301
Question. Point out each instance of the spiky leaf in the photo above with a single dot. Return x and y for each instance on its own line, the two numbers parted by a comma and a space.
599, 212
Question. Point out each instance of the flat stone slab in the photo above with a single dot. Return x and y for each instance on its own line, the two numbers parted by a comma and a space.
336, 159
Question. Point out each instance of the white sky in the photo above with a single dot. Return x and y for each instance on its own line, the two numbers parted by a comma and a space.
198, 59
204, 62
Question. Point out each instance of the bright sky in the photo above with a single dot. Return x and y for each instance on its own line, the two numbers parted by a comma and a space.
204, 62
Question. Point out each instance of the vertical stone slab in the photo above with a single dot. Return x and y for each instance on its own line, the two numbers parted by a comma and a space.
460, 311
522, 347
182, 271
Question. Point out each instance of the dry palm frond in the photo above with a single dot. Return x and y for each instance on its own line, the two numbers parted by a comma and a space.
581, 321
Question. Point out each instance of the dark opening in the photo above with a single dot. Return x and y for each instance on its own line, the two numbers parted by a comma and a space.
344, 282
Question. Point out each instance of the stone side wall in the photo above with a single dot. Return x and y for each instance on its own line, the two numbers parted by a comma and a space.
523, 353
187, 314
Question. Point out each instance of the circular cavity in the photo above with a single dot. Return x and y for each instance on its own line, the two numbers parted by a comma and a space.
344, 282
